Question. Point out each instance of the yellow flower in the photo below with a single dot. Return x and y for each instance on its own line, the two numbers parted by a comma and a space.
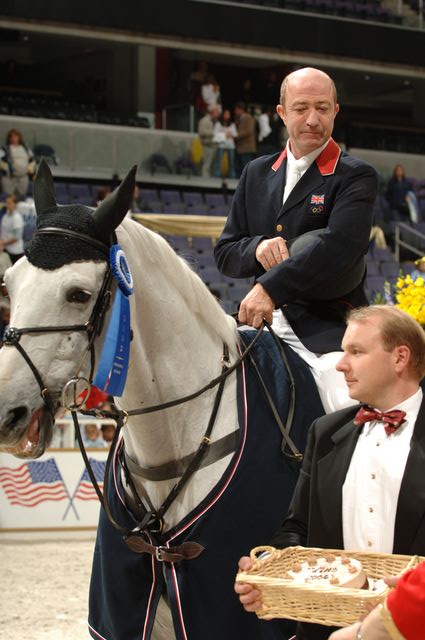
410, 297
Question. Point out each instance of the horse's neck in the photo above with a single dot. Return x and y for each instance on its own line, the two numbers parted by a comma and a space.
174, 353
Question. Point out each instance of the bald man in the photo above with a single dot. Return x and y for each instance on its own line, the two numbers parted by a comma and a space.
311, 185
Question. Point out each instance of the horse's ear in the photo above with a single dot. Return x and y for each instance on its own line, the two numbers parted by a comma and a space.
44, 192
111, 212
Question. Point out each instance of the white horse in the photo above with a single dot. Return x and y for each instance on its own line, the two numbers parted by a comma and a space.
179, 330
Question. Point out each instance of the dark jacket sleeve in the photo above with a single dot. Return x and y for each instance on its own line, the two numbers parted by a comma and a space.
235, 249
324, 266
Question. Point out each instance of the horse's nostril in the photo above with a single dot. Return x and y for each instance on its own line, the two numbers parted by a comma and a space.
15, 415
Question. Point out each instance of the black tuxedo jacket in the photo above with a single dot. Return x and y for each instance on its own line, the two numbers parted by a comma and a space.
315, 515
337, 193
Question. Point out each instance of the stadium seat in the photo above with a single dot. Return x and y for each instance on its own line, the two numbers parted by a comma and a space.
202, 244
373, 269
174, 208
47, 152
167, 196
390, 269
383, 255
214, 200
192, 198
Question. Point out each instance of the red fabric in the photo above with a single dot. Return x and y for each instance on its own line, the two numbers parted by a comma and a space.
407, 604
94, 398
392, 419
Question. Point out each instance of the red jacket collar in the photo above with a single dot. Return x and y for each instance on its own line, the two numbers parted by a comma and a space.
326, 162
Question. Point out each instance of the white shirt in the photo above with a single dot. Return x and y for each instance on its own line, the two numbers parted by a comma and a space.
263, 126
12, 228
295, 169
372, 484
20, 159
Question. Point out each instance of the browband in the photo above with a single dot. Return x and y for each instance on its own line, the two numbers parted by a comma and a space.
74, 234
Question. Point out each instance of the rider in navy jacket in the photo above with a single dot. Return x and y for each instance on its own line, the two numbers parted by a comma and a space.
333, 191
337, 194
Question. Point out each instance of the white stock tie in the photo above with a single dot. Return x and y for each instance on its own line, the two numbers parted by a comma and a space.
297, 169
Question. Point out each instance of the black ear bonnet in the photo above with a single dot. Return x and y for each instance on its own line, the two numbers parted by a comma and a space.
54, 249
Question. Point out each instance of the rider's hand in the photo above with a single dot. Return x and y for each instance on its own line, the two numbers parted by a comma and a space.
271, 252
256, 307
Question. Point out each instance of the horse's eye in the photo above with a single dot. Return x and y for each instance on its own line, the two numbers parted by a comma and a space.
78, 295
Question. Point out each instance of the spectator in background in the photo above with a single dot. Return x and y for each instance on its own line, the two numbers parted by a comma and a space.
92, 436
17, 164
246, 144
396, 195
102, 193
210, 92
266, 135
206, 135
108, 432
196, 79
419, 272
224, 136
12, 230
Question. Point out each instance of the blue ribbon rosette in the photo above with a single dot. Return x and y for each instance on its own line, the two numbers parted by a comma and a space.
111, 373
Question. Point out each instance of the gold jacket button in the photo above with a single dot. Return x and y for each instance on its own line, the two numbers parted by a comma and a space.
279, 228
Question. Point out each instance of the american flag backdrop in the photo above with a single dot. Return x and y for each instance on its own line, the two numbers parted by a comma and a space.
85, 489
32, 483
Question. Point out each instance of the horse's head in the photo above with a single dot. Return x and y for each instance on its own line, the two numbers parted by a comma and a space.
55, 306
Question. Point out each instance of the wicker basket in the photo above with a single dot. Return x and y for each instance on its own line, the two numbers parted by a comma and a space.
333, 606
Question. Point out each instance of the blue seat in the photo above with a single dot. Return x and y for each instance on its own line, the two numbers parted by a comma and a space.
158, 162
219, 289
79, 190
390, 269
383, 255
169, 195
373, 269
375, 284
214, 200
228, 306
200, 209
210, 275
178, 242
192, 198
174, 208
147, 195
219, 210
155, 206
202, 245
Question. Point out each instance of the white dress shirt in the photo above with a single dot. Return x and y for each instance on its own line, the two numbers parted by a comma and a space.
372, 484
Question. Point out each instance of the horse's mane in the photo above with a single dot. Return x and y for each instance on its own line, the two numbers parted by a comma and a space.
177, 272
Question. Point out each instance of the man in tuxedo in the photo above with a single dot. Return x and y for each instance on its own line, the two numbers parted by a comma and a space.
362, 485
311, 185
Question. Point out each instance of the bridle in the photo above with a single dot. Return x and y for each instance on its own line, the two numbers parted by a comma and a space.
92, 328
152, 520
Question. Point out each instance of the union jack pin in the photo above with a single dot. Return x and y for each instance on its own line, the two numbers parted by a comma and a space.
318, 199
